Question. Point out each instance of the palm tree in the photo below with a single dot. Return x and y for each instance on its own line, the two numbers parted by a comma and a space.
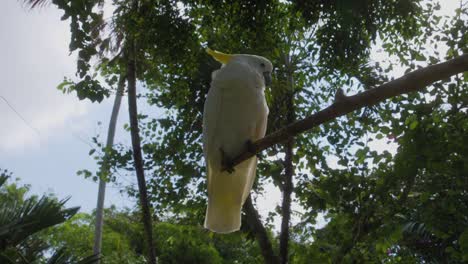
22, 218
130, 61
104, 170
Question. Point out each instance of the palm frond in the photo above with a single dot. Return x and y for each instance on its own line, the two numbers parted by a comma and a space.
58, 257
90, 260
18, 221
35, 3
62, 257
417, 229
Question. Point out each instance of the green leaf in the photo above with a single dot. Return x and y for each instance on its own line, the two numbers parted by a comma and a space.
91, 152
463, 242
420, 57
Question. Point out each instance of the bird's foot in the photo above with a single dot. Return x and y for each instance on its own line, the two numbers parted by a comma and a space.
226, 162
251, 148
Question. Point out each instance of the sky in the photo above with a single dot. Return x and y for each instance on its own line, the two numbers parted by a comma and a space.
45, 136
49, 148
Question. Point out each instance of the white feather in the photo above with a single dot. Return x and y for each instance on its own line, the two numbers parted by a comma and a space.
235, 112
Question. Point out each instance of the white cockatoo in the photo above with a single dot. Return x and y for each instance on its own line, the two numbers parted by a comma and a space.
235, 113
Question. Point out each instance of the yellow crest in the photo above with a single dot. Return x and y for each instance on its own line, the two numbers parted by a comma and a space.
219, 56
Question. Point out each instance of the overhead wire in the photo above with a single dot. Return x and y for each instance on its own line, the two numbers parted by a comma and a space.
75, 135
21, 116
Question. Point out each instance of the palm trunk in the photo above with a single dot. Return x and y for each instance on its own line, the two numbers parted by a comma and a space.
105, 168
137, 156
260, 232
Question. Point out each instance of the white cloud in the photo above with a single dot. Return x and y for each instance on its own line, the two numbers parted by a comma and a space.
34, 60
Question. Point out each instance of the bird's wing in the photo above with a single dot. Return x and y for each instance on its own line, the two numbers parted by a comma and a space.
211, 118
260, 131
250, 172
261, 123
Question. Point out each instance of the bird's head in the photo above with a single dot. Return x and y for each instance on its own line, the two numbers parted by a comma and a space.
262, 65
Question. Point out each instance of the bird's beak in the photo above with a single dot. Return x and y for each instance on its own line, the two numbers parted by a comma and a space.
219, 56
267, 77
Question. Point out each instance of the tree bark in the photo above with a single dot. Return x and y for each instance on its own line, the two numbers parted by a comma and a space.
288, 166
411, 82
286, 203
287, 190
255, 224
105, 168
137, 156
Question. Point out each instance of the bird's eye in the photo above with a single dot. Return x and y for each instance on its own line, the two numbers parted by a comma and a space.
262, 64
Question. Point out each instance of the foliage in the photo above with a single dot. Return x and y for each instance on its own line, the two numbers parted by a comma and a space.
409, 207
71, 241
177, 243
77, 235
23, 219
348, 28
173, 146
398, 207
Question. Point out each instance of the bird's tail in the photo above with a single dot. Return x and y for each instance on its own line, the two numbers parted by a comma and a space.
226, 195
223, 216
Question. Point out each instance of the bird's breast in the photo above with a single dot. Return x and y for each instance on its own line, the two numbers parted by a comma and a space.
238, 118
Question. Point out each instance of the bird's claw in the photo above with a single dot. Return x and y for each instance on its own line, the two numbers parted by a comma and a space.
226, 162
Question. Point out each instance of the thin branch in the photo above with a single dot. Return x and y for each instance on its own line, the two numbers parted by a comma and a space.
411, 82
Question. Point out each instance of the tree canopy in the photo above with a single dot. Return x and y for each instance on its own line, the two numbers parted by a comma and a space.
400, 206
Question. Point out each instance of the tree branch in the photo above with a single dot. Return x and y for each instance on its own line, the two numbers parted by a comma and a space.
411, 82
288, 185
253, 219
288, 188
